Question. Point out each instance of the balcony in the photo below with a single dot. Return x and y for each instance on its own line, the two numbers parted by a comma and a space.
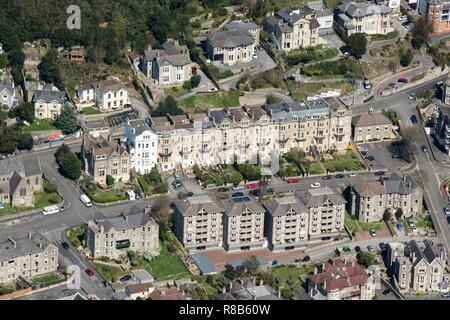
185, 152
206, 150
319, 136
283, 140
339, 134
300, 138
165, 154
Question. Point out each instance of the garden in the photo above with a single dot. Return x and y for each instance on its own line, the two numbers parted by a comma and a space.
228, 174
213, 100
152, 183
89, 111
332, 69
39, 125
317, 53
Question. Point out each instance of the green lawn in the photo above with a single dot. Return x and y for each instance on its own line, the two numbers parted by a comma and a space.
175, 91
292, 273
166, 266
373, 225
76, 236
111, 273
44, 199
212, 100
51, 277
7, 210
315, 168
345, 162
388, 36
40, 125
104, 196
352, 223
91, 111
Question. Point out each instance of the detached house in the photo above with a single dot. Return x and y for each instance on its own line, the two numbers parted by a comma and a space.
48, 103
250, 27
169, 66
111, 95
230, 47
104, 157
371, 127
7, 95
20, 178
294, 29
363, 17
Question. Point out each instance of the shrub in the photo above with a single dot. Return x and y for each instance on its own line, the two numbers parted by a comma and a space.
50, 187
187, 85
195, 81
109, 180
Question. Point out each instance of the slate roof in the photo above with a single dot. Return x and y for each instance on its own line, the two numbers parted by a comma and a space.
281, 206
359, 10
172, 53
393, 185
239, 25
370, 119
135, 219
193, 205
111, 85
288, 111
139, 126
48, 96
8, 165
24, 246
317, 197
234, 209
230, 39
8, 87
31, 165
421, 252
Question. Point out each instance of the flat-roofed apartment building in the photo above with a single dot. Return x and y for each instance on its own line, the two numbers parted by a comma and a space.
326, 213
198, 223
243, 226
286, 223
112, 237
369, 199
27, 256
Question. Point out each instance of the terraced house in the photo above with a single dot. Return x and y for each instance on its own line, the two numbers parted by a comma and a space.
362, 17
169, 66
105, 157
112, 237
27, 257
369, 199
294, 29
198, 223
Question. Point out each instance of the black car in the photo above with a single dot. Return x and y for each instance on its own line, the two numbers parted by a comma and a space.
386, 292
358, 249
306, 258
125, 278
448, 220
424, 148
189, 194
379, 173
223, 189
396, 156
254, 192
368, 99
270, 191
382, 246
65, 245
138, 195
327, 178
237, 194
413, 119
370, 158
338, 252
339, 176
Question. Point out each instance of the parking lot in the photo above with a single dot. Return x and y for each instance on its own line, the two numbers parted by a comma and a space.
382, 154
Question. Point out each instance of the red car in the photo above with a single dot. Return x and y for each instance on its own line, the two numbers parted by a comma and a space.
402, 79
252, 186
293, 181
89, 272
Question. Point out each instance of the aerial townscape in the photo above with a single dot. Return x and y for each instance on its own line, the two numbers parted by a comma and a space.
232, 150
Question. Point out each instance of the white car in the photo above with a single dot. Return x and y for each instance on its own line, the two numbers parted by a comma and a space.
254, 56
213, 89
373, 232
315, 185
352, 175
238, 187
447, 211
403, 18
208, 61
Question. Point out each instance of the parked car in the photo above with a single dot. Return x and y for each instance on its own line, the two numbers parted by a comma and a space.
315, 185
327, 177
371, 248
358, 249
237, 194
270, 191
423, 148
189, 194
346, 249
252, 186
448, 220
293, 181
89, 272
368, 99
125, 278
413, 119
254, 56
223, 189
386, 292
65, 245
254, 192
446, 295
339, 176
392, 84
447, 211
306, 258
373, 232
402, 80
403, 18
383, 246
238, 187
367, 85
399, 226
412, 96
379, 173
352, 175
370, 158
177, 185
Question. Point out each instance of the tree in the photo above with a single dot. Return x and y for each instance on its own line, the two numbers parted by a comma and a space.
61, 152
251, 264
50, 187
25, 112
271, 99
109, 180
195, 81
406, 58
161, 210
387, 215
168, 106
70, 166
420, 32
49, 69
399, 213
67, 121
357, 44
3, 61
230, 272
365, 258
25, 142
8, 141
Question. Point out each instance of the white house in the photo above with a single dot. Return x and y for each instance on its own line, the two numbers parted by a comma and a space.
111, 95
48, 104
139, 291
143, 145
86, 92
7, 94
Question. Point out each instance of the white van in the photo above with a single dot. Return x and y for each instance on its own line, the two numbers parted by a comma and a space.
50, 210
131, 195
87, 202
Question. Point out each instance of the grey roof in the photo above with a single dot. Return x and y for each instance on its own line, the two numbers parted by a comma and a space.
290, 111
317, 197
230, 39
324, 13
172, 53
425, 251
370, 119
8, 165
31, 166
203, 263
362, 9
24, 246
397, 184
234, 209
48, 96
291, 16
8, 87
139, 126
239, 25
135, 219
193, 205
111, 85
14, 182
281, 206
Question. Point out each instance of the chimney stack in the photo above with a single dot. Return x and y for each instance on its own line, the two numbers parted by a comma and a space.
13, 242
29, 234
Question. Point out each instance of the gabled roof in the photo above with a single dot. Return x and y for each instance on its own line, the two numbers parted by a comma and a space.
282, 206
239, 25
23, 246
370, 119
193, 205
31, 165
320, 196
7, 87
359, 10
48, 96
230, 39
135, 219
234, 209
111, 85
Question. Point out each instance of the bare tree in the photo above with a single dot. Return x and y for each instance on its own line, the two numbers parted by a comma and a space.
405, 148
161, 210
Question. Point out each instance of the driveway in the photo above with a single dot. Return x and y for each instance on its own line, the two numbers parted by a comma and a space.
383, 157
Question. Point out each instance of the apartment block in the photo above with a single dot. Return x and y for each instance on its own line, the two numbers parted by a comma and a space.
105, 157
286, 223
230, 47
369, 199
27, 257
437, 14
294, 29
198, 223
168, 66
419, 267
243, 225
371, 127
112, 237
326, 213
338, 279
142, 144
362, 17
